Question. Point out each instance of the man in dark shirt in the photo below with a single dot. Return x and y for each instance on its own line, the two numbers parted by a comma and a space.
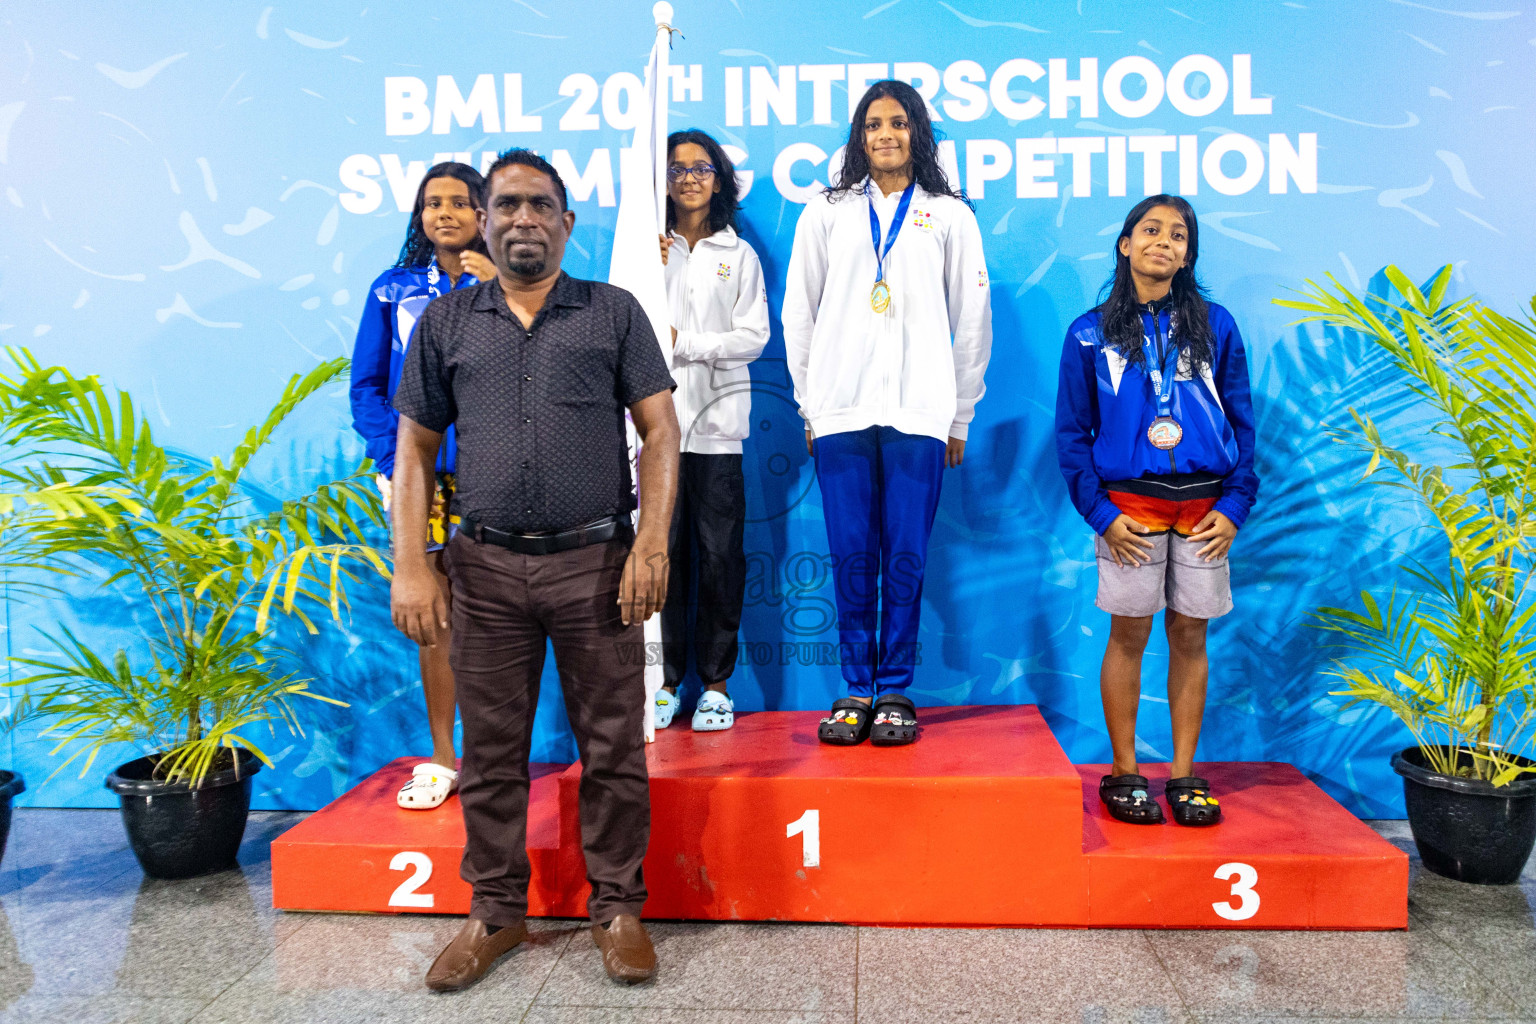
535, 370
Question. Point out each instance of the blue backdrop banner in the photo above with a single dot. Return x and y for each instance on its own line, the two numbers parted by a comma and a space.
196, 197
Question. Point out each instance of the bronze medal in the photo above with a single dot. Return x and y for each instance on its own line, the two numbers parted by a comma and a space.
1165, 433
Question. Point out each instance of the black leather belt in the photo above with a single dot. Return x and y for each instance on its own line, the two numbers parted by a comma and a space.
598, 531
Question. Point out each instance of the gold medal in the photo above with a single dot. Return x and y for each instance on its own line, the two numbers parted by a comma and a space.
880, 294
1165, 433
880, 297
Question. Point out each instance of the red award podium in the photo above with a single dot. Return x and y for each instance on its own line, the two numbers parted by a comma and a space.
983, 822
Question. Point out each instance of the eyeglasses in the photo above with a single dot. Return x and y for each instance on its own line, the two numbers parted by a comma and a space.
698, 172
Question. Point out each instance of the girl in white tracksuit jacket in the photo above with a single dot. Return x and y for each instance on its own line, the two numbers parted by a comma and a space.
719, 325
888, 328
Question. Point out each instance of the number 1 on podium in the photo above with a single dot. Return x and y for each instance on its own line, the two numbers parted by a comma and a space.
808, 828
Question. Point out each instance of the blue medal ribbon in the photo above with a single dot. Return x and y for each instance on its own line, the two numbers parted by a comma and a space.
1161, 372
895, 228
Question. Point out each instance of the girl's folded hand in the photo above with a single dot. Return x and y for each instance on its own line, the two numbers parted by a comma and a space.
1127, 544
1218, 530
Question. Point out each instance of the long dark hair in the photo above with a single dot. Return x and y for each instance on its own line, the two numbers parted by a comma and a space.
1120, 313
724, 203
418, 249
925, 146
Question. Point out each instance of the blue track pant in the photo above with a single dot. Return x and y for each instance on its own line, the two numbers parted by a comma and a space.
879, 492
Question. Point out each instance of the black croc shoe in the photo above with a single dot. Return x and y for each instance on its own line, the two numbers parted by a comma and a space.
1126, 798
1190, 801
895, 721
847, 725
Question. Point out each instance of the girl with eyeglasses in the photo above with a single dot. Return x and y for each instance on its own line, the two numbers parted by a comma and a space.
443, 251
719, 325
888, 329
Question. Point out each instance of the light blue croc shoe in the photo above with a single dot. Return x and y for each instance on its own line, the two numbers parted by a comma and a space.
666, 707
714, 713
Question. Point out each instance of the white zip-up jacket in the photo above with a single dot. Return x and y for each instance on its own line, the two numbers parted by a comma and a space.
918, 367
720, 309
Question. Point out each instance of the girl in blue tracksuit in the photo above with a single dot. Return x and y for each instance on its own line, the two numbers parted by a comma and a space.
443, 250
1154, 433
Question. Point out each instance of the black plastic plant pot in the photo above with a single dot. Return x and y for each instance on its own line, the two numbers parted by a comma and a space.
1465, 828
11, 783
179, 832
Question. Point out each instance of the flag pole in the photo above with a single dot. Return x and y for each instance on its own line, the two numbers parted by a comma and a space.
662, 12
635, 265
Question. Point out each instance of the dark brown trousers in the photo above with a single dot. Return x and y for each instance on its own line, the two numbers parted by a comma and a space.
506, 606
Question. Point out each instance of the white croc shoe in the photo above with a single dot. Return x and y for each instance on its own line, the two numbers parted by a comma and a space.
429, 786
666, 708
714, 713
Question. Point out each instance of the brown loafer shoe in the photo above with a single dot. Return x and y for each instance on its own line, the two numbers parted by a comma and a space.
628, 955
471, 953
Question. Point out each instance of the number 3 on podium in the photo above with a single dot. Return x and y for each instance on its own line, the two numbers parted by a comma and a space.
808, 828
1244, 878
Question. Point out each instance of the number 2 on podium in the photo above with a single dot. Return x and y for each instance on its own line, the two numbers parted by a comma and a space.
1244, 878
808, 828
405, 894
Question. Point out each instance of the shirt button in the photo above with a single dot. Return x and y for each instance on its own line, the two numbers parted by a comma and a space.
527, 420
527, 377
529, 511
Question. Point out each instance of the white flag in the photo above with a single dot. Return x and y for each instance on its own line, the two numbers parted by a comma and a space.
636, 262
636, 265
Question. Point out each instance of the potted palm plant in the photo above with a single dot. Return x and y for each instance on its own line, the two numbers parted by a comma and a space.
61, 500
213, 570
1453, 656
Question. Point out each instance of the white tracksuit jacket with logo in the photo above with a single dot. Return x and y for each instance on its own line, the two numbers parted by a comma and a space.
919, 367
720, 309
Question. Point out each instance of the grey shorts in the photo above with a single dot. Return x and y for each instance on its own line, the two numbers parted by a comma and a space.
1175, 578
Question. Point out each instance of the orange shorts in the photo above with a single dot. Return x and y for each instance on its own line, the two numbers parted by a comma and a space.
1160, 515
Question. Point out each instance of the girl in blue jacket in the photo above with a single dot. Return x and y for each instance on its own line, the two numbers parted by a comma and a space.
443, 250
1154, 433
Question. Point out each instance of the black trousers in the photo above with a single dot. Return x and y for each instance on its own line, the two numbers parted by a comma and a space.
506, 608
709, 568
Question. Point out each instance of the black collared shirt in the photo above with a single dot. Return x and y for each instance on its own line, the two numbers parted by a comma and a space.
539, 411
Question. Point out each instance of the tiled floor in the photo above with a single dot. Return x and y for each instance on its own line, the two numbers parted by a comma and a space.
85, 938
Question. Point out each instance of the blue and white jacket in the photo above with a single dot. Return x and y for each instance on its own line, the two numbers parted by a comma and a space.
1104, 405
395, 302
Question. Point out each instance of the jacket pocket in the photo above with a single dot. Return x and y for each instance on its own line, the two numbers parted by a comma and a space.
928, 371
724, 402
845, 372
